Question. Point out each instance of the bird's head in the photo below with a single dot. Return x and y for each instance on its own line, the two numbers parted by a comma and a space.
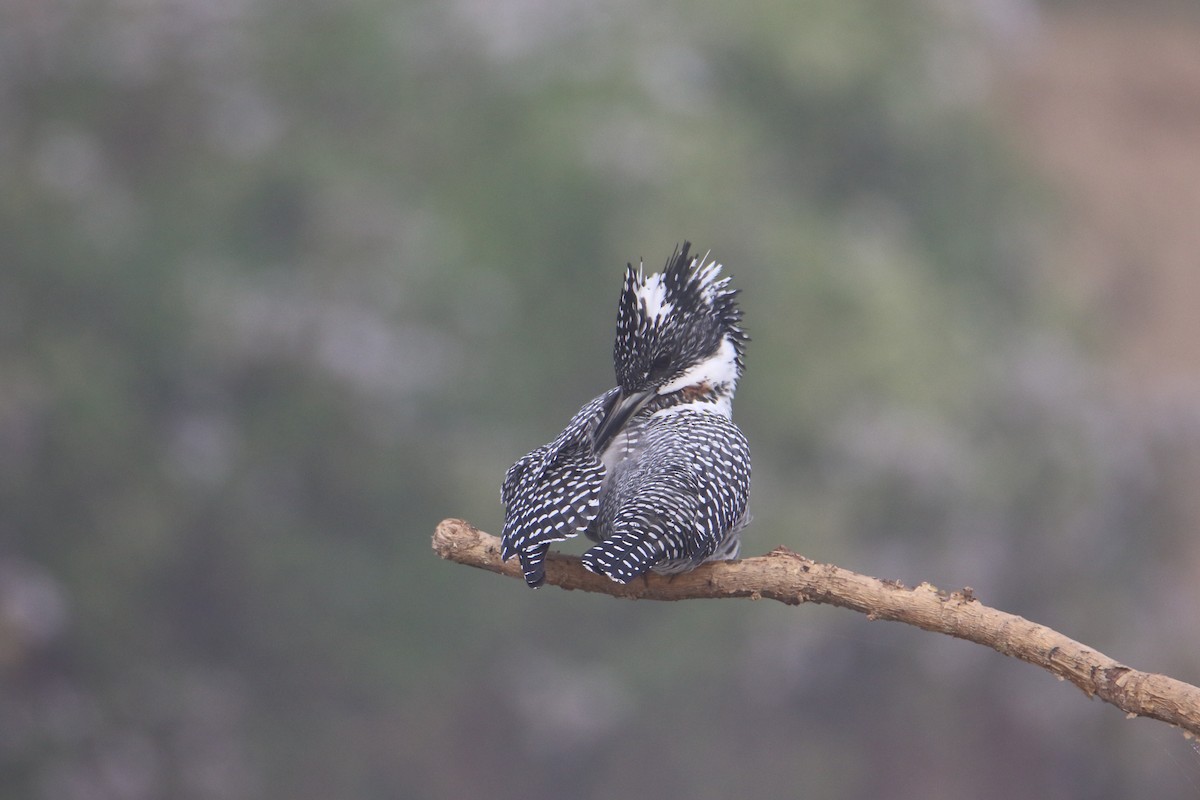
679, 338
678, 328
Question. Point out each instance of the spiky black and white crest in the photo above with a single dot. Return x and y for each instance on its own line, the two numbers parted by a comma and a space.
673, 319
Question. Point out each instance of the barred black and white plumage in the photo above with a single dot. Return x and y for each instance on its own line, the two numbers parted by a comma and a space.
554, 492
654, 470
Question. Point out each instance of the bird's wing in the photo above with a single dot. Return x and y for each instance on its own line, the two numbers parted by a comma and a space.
554, 492
680, 501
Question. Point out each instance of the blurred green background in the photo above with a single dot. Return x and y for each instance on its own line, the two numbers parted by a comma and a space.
282, 284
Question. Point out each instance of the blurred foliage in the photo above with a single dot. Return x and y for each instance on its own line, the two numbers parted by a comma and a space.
283, 284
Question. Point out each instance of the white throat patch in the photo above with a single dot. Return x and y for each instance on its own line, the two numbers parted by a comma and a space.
719, 368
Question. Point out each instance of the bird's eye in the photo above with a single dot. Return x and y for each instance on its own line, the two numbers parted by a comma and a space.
659, 366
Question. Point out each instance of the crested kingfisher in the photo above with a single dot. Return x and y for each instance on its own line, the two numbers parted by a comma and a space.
653, 471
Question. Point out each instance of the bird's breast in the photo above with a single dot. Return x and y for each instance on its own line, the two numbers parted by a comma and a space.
625, 445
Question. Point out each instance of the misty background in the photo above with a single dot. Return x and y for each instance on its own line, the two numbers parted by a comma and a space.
283, 284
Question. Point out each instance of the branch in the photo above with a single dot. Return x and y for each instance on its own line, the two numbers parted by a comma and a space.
793, 579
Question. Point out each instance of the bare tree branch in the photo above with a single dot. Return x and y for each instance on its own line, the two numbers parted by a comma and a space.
793, 579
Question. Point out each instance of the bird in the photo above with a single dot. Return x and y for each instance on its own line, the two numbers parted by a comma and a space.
654, 470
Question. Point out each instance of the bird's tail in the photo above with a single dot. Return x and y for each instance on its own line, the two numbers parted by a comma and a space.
624, 556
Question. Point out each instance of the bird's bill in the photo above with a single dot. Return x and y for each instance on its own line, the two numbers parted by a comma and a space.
623, 407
